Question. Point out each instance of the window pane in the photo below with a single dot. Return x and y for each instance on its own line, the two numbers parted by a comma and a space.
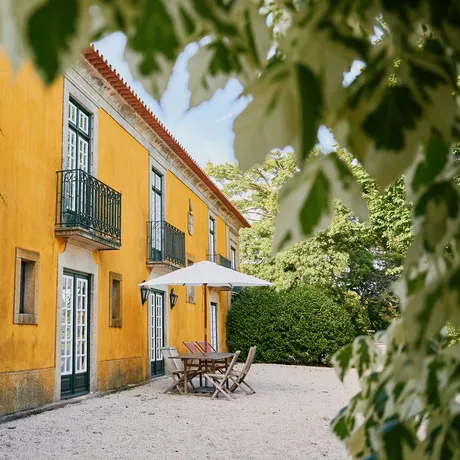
83, 122
83, 154
233, 257
71, 149
72, 113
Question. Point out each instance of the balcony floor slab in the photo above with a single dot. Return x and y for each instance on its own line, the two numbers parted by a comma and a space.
87, 239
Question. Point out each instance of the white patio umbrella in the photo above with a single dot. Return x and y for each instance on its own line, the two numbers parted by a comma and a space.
206, 274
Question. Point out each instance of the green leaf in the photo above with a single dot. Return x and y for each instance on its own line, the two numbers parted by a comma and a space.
381, 399
339, 424
431, 440
424, 314
398, 112
311, 101
307, 200
316, 204
209, 69
257, 34
50, 30
189, 25
14, 17
271, 119
342, 360
216, 16
395, 437
432, 383
438, 210
363, 355
417, 283
443, 192
435, 158
153, 47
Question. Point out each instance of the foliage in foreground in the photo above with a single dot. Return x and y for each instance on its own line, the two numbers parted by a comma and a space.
297, 326
397, 120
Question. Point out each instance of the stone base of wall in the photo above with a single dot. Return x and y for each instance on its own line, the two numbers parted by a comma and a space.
119, 373
26, 389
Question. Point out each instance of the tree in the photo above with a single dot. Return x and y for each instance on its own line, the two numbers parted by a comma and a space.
290, 56
350, 257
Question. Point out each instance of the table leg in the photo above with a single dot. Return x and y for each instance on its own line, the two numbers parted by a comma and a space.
185, 377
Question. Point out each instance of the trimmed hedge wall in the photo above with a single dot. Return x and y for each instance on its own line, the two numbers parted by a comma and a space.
299, 326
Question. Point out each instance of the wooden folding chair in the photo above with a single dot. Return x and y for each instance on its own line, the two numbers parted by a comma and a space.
220, 380
177, 375
238, 377
193, 348
206, 347
194, 369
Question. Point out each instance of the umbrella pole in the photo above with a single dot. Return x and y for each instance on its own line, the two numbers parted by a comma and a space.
205, 293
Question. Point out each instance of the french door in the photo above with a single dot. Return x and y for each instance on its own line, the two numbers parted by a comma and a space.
213, 320
75, 335
78, 155
75, 188
156, 333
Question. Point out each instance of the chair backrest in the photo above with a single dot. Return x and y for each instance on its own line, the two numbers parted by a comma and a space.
192, 347
206, 347
232, 364
169, 363
178, 362
249, 360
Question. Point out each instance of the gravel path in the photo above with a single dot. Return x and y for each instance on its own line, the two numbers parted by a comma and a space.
288, 418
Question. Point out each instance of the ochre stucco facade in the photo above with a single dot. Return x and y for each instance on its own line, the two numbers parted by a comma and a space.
124, 149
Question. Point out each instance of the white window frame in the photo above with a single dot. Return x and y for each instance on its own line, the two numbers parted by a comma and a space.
214, 325
71, 91
212, 250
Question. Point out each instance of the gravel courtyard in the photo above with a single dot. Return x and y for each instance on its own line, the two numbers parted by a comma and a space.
288, 418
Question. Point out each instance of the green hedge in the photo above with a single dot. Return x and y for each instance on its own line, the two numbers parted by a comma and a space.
299, 326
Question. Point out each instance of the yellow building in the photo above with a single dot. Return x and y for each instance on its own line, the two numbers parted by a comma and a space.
97, 197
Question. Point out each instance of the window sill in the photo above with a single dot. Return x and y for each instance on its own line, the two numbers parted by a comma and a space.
25, 318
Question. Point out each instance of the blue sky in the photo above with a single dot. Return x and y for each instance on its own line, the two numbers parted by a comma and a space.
205, 131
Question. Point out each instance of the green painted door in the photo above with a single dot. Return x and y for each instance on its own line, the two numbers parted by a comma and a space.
75, 335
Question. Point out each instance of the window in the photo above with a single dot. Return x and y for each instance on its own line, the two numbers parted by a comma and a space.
27, 283
156, 197
212, 239
78, 138
116, 295
156, 211
233, 257
214, 336
191, 290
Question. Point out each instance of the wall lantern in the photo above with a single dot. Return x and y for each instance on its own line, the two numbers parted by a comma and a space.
145, 291
173, 298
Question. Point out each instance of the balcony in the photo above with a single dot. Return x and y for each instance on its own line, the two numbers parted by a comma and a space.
88, 212
220, 260
165, 245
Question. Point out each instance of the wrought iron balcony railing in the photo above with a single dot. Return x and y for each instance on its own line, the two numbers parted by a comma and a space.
165, 243
220, 260
85, 202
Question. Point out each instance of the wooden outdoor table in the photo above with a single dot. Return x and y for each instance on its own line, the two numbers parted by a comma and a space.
211, 358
